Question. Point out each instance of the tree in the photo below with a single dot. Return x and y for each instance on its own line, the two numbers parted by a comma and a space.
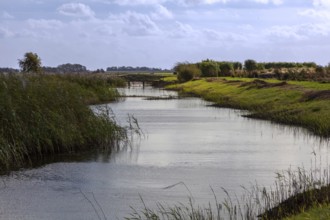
226, 68
186, 71
237, 65
209, 68
31, 63
250, 65
71, 68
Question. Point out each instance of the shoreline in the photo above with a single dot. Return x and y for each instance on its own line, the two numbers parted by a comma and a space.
303, 104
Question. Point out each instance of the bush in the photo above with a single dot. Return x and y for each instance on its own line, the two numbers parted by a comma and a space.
226, 69
186, 71
209, 68
250, 65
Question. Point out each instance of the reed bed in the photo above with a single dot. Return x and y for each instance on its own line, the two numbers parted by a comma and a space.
43, 115
294, 191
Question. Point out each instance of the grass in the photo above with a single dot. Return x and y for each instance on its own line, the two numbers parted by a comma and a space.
43, 115
171, 78
305, 104
295, 191
318, 212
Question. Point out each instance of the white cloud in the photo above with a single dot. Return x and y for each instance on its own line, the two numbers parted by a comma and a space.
321, 9
182, 30
285, 32
300, 32
138, 2
321, 3
135, 27
322, 29
202, 2
161, 12
76, 10
320, 14
185, 2
136, 24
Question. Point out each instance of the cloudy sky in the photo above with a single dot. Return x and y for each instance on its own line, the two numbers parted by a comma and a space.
159, 33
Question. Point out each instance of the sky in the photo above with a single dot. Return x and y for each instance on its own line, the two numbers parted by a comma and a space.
160, 33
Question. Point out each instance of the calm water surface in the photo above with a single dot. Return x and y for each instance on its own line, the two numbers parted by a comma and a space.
185, 141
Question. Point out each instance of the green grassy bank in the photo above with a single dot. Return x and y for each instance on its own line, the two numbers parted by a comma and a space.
43, 115
305, 104
318, 212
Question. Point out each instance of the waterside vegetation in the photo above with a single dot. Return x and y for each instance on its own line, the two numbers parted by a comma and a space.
294, 191
43, 115
252, 69
297, 194
305, 104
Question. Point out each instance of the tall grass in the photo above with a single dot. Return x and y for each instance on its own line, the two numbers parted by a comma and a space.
294, 191
96, 88
42, 115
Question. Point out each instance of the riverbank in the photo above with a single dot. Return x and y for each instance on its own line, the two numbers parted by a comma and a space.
305, 104
42, 115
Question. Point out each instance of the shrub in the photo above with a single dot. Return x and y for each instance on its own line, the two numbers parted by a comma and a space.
186, 71
250, 65
226, 69
209, 68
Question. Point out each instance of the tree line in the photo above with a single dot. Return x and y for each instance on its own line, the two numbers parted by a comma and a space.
31, 62
251, 68
135, 69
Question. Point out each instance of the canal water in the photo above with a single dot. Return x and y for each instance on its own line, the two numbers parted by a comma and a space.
187, 148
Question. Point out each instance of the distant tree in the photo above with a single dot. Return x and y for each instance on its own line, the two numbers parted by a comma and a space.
99, 71
250, 65
237, 65
31, 63
71, 68
260, 66
186, 71
226, 68
8, 70
209, 68
310, 64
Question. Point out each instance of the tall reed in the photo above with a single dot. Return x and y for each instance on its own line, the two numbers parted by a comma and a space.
42, 115
293, 191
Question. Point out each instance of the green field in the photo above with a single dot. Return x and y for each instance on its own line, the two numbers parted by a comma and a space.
305, 104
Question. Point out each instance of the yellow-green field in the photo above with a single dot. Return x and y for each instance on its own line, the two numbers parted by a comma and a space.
319, 212
305, 104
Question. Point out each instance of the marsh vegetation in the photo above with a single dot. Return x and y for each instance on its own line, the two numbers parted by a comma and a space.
294, 192
49, 114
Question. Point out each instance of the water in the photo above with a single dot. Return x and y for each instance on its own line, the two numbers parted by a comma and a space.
186, 142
